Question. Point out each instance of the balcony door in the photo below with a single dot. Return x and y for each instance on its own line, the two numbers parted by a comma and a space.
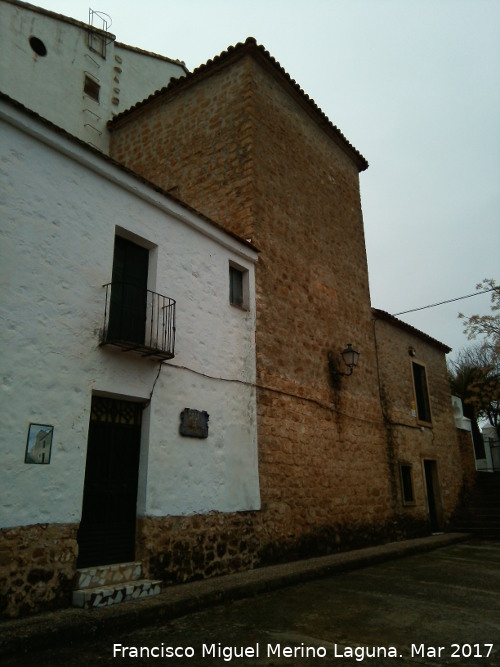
127, 315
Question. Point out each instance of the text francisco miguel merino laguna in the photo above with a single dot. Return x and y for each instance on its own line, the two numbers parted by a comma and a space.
228, 653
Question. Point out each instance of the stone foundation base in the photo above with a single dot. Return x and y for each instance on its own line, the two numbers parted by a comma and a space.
181, 549
37, 566
38, 563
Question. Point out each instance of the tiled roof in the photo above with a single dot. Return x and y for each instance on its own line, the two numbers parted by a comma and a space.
233, 53
142, 52
382, 315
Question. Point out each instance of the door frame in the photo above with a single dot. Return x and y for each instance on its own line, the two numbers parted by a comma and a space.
433, 495
89, 557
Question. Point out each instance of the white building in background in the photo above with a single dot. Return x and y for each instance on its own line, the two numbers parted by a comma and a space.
167, 408
44, 53
491, 442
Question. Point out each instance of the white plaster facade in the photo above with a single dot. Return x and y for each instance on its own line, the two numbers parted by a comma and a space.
61, 205
53, 85
461, 422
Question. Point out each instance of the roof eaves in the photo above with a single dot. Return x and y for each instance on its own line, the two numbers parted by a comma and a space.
383, 315
136, 49
232, 53
61, 17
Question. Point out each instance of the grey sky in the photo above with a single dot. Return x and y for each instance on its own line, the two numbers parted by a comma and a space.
414, 85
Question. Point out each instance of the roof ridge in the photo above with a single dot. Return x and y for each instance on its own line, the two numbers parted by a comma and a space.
60, 17
392, 319
250, 45
138, 49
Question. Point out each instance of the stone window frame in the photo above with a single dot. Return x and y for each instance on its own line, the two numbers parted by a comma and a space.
406, 500
421, 394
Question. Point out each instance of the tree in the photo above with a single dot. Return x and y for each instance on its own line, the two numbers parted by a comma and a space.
486, 325
475, 376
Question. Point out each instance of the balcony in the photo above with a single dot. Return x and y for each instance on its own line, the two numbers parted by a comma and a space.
139, 320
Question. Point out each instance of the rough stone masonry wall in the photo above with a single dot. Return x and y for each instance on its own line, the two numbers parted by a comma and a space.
241, 149
328, 466
197, 145
412, 442
37, 567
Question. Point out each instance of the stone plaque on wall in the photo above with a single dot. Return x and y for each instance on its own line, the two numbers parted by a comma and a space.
194, 423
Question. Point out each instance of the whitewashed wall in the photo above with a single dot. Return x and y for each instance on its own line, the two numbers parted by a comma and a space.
52, 85
60, 207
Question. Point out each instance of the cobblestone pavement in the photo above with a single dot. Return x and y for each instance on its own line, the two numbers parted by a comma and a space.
436, 608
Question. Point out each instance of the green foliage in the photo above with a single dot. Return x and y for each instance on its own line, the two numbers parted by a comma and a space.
475, 377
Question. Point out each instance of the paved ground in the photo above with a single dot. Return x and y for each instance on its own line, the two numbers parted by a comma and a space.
436, 608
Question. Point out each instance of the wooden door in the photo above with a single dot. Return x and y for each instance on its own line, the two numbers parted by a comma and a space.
107, 529
127, 316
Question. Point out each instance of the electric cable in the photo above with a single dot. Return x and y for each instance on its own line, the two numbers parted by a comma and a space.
458, 298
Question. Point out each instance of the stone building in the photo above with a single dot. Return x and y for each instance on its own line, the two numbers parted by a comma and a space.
432, 454
307, 456
240, 141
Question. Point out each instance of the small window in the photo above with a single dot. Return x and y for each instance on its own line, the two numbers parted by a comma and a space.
406, 484
421, 393
91, 88
38, 46
235, 286
97, 43
238, 286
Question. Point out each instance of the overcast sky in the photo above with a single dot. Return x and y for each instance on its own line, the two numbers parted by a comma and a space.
414, 85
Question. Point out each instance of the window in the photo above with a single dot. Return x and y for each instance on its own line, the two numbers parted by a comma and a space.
97, 43
406, 484
38, 46
235, 286
91, 88
421, 393
238, 286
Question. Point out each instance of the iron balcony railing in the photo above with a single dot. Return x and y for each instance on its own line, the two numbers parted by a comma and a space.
137, 319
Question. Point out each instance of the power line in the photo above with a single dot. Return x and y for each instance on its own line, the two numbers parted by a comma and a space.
433, 305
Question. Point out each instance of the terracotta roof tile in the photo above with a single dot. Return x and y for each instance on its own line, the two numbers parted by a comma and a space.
382, 315
251, 47
142, 52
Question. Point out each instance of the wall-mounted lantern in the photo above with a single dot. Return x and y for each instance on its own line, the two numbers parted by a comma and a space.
350, 357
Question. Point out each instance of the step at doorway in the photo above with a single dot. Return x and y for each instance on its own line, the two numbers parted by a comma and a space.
107, 585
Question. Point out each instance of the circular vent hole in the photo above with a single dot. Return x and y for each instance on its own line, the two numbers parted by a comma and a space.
38, 46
